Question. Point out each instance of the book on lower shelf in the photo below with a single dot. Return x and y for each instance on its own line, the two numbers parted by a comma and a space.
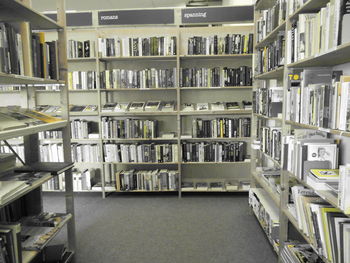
267, 214
296, 252
323, 224
147, 180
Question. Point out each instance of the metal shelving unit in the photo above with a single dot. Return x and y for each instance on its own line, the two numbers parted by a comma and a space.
21, 12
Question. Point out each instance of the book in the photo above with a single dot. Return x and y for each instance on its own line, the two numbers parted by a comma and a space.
109, 107
152, 106
167, 106
217, 106
188, 107
137, 106
232, 106
202, 106
122, 107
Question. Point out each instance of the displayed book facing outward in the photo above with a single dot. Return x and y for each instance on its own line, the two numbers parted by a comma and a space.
150, 78
137, 46
216, 106
143, 180
216, 77
140, 106
81, 49
219, 45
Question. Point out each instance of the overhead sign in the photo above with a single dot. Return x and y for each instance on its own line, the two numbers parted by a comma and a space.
217, 14
75, 19
136, 17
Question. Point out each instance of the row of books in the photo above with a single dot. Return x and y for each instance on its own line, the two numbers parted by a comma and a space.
45, 57
82, 80
272, 56
83, 129
53, 152
217, 45
82, 181
215, 77
221, 128
268, 100
214, 152
11, 52
270, 19
327, 228
271, 142
315, 33
134, 47
149, 106
129, 128
140, 153
266, 212
214, 186
138, 79
147, 180
81, 49
308, 149
217, 106
320, 101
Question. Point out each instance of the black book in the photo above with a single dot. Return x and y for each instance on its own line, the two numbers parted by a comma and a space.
87, 47
80, 49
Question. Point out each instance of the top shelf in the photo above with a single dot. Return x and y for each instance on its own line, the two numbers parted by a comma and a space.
309, 6
15, 11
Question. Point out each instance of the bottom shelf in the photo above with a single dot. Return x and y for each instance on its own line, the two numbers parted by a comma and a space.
294, 222
29, 255
273, 244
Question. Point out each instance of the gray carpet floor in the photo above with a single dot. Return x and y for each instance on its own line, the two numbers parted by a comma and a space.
165, 229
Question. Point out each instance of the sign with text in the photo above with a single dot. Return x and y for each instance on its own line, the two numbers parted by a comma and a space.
75, 19
136, 17
217, 14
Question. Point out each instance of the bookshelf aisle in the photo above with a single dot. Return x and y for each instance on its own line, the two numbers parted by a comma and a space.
21, 186
141, 99
299, 130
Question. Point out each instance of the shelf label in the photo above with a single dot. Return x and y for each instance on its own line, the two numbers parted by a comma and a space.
75, 19
136, 17
217, 14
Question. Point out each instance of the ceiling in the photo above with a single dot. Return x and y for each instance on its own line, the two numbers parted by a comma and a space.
49, 5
